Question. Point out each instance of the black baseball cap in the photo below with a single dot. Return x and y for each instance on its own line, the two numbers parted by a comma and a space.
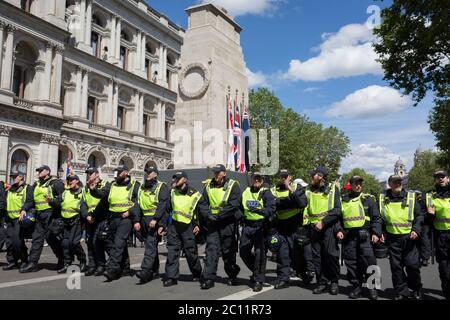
355, 179
179, 175
257, 174
43, 167
319, 169
91, 170
74, 177
395, 177
284, 173
219, 168
122, 168
149, 170
440, 173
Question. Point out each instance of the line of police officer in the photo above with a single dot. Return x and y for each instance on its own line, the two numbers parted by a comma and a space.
302, 225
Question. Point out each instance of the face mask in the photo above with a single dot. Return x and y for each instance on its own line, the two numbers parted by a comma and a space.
149, 183
254, 189
120, 179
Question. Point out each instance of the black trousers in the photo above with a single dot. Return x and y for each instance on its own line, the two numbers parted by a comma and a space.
358, 256
304, 250
41, 233
71, 241
425, 241
289, 254
90, 235
150, 263
404, 256
119, 259
253, 238
221, 240
325, 254
101, 247
2, 234
443, 258
180, 235
15, 242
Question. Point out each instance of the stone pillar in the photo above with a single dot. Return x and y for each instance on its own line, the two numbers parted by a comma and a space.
161, 65
88, 22
78, 82
115, 104
141, 113
8, 60
84, 94
162, 121
82, 20
138, 53
48, 150
2, 29
112, 47
118, 31
144, 43
58, 74
108, 111
4, 151
45, 86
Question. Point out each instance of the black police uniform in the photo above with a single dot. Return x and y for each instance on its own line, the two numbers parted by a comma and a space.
119, 259
324, 244
221, 236
253, 237
41, 229
16, 248
289, 253
442, 241
96, 246
358, 250
2, 208
72, 233
180, 235
426, 236
150, 263
404, 252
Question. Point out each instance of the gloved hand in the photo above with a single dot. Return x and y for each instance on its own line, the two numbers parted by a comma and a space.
212, 219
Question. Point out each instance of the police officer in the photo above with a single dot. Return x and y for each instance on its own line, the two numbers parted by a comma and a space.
324, 212
73, 209
97, 211
223, 197
44, 196
15, 199
425, 239
290, 202
361, 225
2, 208
403, 218
153, 201
188, 208
438, 208
258, 205
123, 215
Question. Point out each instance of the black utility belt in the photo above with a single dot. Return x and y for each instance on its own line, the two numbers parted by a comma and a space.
253, 223
112, 215
71, 220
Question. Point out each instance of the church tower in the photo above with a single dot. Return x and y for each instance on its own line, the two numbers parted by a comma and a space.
399, 168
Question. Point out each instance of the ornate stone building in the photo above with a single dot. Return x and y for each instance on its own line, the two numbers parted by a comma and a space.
90, 81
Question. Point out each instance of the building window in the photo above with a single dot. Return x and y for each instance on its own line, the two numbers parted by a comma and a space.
26, 5
148, 69
167, 131
19, 164
19, 81
92, 110
169, 79
92, 161
121, 118
96, 44
124, 57
145, 125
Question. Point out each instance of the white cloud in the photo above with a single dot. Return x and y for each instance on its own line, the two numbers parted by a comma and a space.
371, 101
243, 7
311, 89
256, 79
374, 159
347, 53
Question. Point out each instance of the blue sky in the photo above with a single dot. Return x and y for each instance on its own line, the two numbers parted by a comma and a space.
317, 58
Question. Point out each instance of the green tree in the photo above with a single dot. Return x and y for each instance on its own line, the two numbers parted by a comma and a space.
414, 50
420, 176
370, 184
304, 144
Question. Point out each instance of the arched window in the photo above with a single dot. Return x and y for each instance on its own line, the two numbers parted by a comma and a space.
19, 164
92, 161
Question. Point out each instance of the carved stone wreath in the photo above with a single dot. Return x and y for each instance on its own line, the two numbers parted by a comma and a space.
206, 80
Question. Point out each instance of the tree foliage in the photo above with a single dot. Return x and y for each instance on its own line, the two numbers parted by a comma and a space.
304, 144
414, 50
420, 176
